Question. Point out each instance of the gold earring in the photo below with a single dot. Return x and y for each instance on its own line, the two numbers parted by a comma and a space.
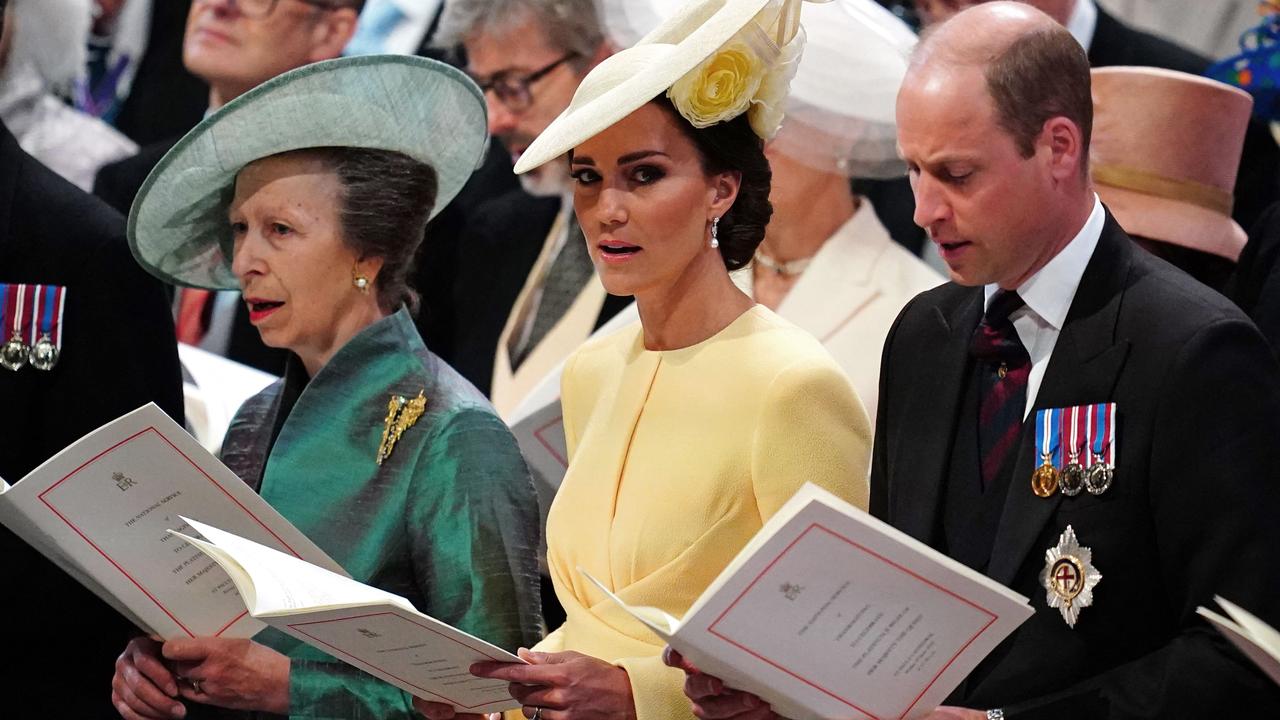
359, 280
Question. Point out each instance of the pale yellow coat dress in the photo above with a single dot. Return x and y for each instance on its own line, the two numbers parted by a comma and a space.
676, 460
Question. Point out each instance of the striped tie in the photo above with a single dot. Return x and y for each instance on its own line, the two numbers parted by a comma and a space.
1003, 367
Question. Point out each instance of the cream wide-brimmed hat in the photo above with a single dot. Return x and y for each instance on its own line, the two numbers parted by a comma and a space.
1164, 154
178, 226
840, 112
718, 59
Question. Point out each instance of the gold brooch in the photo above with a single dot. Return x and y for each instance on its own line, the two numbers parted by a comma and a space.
402, 413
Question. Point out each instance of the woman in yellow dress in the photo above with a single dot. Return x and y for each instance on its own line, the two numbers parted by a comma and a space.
688, 432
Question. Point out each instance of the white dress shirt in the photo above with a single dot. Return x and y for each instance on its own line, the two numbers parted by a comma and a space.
1048, 295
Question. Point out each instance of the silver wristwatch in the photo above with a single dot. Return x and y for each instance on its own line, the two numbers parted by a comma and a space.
996, 714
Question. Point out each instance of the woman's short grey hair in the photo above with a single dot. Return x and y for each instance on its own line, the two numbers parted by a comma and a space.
571, 25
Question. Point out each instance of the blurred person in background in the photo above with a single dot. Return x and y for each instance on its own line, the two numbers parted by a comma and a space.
41, 54
133, 78
526, 294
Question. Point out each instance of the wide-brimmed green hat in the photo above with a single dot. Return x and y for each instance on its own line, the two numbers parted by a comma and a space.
178, 226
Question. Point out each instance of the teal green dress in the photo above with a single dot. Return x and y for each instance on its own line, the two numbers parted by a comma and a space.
449, 520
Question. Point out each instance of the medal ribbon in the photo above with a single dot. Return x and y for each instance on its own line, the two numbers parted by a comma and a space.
15, 308
48, 314
1045, 434
1109, 450
1102, 434
31, 300
1070, 436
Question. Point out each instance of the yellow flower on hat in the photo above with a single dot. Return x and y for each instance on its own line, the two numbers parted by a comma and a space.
768, 105
721, 88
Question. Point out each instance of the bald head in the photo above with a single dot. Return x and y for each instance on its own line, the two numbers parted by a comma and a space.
935, 11
1034, 69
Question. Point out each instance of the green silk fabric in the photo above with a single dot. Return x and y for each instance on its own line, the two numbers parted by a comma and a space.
449, 520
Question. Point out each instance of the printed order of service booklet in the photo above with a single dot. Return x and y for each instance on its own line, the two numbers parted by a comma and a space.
1257, 640
101, 510
831, 614
371, 629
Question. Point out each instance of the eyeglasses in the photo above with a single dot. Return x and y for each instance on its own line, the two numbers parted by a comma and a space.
263, 8
512, 89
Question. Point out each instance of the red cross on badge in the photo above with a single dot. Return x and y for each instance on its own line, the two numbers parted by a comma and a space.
1069, 577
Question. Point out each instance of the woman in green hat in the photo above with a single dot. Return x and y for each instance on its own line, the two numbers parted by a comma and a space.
310, 194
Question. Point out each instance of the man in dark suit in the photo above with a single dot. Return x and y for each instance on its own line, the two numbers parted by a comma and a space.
1111, 42
1052, 306
58, 642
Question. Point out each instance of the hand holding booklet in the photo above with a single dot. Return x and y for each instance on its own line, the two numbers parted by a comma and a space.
376, 631
829, 613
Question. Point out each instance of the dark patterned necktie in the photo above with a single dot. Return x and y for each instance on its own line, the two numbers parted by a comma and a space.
569, 272
1003, 367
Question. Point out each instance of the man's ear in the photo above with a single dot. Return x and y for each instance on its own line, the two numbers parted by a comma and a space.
332, 32
1065, 143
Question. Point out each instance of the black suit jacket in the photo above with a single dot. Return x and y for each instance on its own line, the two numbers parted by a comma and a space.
1257, 183
165, 99
1191, 513
1255, 285
58, 641
504, 238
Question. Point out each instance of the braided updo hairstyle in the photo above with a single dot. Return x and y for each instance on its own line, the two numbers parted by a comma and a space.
733, 146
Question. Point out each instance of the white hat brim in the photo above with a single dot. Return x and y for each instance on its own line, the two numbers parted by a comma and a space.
626, 81
178, 227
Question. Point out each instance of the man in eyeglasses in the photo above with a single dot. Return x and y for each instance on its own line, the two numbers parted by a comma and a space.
235, 45
526, 292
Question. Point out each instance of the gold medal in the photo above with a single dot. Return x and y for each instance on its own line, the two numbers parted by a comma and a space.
1069, 577
402, 413
1044, 481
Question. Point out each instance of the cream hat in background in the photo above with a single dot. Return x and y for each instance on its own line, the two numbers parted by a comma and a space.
1164, 155
715, 59
840, 112
178, 226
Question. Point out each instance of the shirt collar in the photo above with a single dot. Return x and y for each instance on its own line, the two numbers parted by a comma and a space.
1083, 22
1049, 292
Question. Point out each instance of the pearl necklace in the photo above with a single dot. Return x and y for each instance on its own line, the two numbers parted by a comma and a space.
789, 268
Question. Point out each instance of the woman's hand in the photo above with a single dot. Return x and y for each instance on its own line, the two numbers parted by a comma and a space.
565, 686
236, 674
441, 711
711, 699
142, 687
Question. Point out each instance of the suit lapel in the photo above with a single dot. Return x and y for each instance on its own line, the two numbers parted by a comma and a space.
1083, 369
935, 400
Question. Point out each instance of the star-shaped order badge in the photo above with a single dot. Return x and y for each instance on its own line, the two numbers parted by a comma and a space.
1069, 577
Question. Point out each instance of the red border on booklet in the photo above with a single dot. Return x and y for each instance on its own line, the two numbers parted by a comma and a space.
712, 628
94, 545
538, 434
336, 652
